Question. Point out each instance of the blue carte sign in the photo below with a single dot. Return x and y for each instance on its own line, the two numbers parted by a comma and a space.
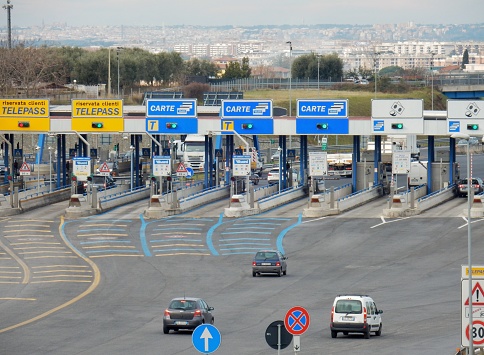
171, 108
322, 108
246, 109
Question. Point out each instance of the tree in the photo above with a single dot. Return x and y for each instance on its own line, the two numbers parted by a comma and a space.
465, 59
235, 70
306, 67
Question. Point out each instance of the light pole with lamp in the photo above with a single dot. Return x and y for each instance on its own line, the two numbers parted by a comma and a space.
376, 72
432, 75
290, 76
37, 148
118, 49
319, 61
469, 235
50, 169
131, 148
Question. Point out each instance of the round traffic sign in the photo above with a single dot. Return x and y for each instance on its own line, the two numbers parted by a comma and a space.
297, 320
206, 338
272, 335
477, 332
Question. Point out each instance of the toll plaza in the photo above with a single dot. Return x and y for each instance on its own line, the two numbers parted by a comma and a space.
219, 125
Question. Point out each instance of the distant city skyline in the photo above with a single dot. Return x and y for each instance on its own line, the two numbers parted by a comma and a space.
246, 13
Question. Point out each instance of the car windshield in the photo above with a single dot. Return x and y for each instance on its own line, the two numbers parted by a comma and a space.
266, 255
183, 305
348, 306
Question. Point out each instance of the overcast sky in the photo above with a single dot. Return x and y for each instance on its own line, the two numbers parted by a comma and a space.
242, 12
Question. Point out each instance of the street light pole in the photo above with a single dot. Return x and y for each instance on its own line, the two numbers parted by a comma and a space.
469, 236
50, 169
290, 76
118, 49
432, 75
38, 172
131, 174
9, 8
319, 60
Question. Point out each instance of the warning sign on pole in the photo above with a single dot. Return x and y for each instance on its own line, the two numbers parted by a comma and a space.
477, 299
24, 169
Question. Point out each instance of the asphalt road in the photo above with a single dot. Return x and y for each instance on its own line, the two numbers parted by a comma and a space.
99, 285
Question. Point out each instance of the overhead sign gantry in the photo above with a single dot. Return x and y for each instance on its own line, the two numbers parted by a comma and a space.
464, 116
247, 116
172, 116
97, 116
397, 116
25, 115
322, 117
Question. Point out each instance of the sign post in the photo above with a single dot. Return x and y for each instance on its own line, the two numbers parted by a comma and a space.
475, 301
277, 336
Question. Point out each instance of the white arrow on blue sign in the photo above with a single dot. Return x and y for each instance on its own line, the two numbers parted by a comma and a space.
206, 338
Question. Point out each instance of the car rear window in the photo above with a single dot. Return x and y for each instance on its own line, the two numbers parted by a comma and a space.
183, 304
266, 255
348, 306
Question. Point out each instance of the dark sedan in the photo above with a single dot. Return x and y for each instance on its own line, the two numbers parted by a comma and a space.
186, 313
269, 262
477, 185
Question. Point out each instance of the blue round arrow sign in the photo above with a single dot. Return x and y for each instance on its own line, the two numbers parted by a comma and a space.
206, 338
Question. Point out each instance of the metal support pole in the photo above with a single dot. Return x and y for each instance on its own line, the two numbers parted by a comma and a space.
469, 247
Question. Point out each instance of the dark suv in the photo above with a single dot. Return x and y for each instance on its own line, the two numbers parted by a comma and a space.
477, 186
101, 182
269, 262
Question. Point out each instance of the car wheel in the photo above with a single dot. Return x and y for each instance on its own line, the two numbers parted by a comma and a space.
166, 330
212, 321
334, 334
254, 274
367, 334
378, 333
279, 273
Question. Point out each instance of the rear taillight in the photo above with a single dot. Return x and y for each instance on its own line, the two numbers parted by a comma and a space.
278, 263
254, 263
364, 314
332, 315
198, 313
167, 314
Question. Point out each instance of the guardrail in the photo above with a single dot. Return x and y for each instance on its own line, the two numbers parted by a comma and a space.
359, 197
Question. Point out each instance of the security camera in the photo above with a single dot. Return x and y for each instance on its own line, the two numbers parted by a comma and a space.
279, 149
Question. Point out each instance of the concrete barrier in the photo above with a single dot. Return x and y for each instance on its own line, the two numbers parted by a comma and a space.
359, 198
238, 207
163, 206
44, 199
111, 201
279, 199
436, 198
477, 207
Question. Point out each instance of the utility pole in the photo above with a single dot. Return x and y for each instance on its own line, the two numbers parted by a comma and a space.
290, 77
9, 7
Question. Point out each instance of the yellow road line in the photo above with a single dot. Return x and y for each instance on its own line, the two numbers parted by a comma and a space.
24, 266
92, 287
17, 299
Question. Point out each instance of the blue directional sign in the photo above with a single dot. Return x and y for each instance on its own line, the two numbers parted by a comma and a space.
322, 117
186, 108
322, 125
322, 108
246, 109
206, 338
248, 126
189, 172
173, 126
454, 126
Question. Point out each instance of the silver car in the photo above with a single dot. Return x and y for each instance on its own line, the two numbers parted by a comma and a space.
186, 313
269, 262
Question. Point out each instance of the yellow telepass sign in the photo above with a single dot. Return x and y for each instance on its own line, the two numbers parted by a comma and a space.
24, 108
110, 108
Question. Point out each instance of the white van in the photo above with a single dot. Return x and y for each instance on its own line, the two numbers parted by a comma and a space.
355, 314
